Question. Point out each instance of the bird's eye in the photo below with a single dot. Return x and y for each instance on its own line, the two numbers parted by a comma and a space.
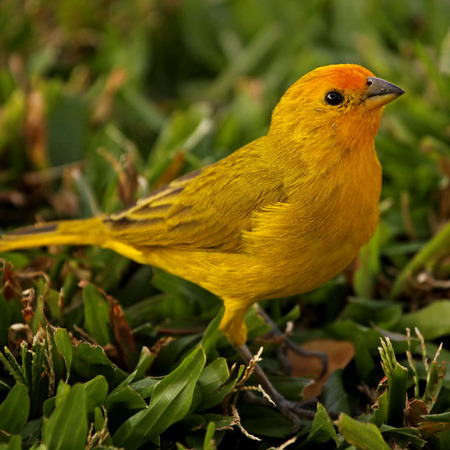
334, 98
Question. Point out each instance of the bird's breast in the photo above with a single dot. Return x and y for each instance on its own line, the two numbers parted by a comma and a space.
320, 229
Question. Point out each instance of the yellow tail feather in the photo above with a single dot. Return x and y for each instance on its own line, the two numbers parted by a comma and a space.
70, 232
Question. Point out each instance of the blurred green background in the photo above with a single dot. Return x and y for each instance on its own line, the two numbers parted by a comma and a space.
102, 101
183, 83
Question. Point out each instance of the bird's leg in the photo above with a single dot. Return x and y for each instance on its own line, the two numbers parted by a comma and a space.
290, 409
293, 346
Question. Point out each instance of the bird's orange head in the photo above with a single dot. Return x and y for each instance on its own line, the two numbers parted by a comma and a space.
331, 109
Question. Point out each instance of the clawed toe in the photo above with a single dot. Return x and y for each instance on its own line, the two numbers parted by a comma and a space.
291, 345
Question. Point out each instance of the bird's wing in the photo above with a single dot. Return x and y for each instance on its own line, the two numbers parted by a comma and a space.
208, 209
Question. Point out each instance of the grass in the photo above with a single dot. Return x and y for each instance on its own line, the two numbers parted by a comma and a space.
101, 102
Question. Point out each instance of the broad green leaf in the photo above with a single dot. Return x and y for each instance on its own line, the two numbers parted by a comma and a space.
96, 392
176, 350
125, 401
145, 386
322, 429
62, 392
432, 320
403, 437
145, 360
122, 405
64, 346
90, 360
212, 384
364, 436
335, 396
15, 409
380, 413
169, 403
444, 417
67, 426
48, 406
96, 314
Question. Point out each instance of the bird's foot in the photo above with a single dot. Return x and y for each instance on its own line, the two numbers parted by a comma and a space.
287, 343
292, 410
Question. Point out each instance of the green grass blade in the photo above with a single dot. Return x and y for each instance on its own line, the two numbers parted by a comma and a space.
364, 436
67, 426
169, 403
15, 409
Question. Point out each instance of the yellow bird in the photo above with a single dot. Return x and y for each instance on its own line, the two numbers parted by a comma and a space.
278, 217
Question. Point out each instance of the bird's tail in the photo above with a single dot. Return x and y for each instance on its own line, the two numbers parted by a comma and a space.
69, 232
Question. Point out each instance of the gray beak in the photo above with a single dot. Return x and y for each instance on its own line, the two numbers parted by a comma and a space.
378, 86
379, 92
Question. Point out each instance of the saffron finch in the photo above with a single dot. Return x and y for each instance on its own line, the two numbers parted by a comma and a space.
280, 216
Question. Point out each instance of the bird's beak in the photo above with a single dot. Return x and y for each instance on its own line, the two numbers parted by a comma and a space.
379, 92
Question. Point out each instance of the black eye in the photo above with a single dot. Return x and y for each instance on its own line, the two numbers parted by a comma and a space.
334, 98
